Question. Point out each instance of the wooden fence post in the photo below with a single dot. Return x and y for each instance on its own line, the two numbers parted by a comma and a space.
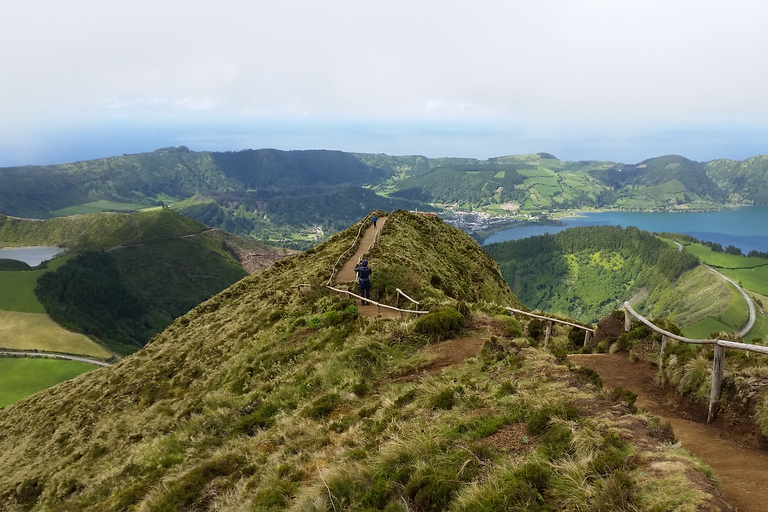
717, 382
547, 332
627, 321
586, 337
664, 341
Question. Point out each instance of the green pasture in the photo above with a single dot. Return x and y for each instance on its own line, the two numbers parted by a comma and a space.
750, 273
24, 376
548, 190
721, 259
36, 331
751, 279
18, 287
760, 330
536, 173
703, 329
736, 314
98, 206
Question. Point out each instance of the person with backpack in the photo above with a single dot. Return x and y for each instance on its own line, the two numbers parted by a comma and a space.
374, 219
364, 272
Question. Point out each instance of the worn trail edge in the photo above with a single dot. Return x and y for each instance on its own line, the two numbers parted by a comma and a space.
743, 470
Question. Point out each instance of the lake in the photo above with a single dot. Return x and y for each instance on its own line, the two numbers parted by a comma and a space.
32, 256
745, 228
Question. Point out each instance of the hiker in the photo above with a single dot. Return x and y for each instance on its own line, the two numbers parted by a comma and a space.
374, 219
364, 272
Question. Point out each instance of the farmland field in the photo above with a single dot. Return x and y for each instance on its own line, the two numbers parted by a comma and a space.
23, 376
36, 331
98, 206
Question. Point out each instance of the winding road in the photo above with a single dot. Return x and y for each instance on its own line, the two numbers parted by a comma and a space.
750, 304
55, 356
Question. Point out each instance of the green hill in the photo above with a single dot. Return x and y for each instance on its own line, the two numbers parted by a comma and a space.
266, 194
298, 198
133, 273
587, 272
271, 397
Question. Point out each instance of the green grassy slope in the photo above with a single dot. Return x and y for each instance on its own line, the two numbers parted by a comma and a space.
267, 397
588, 272
133, 273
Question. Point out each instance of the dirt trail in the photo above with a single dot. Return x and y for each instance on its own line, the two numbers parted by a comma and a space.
347, 272
742, 469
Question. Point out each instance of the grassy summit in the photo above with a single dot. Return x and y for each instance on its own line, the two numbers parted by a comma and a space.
267, 397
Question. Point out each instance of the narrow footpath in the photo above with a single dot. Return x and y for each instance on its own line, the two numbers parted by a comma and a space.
742, 469
347, 272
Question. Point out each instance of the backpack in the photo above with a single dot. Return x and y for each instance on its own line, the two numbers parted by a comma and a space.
363, 273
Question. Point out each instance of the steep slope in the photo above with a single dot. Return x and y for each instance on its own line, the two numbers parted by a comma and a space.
744, 181
134, 273
587, 272
267, 397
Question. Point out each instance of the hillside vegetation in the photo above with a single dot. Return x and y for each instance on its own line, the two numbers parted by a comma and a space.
132, 273
267, 397
298, 198
587, 272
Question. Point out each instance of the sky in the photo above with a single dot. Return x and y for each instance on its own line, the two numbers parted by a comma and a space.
581, 79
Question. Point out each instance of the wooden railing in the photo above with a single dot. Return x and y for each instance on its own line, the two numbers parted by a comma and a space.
334, 269
377, 304
717, 363
401, 292
587, 330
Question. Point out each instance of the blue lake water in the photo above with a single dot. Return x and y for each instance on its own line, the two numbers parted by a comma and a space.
745, 228
32, 256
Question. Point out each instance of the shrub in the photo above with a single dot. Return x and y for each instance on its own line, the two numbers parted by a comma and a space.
611, 456
576, 337
321, 407
626, 396
590, 375
361, 388
556, 441
514, 330
430, 490
445, 399
536, 329
440, 324
263, 417
537, 420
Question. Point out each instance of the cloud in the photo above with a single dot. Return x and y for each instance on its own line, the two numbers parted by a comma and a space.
543, 66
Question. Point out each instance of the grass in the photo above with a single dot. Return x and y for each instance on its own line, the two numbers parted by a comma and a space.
18, 288
752, 279
21, 377
324, 414
98, 206
36, 331
721, 259
703, 329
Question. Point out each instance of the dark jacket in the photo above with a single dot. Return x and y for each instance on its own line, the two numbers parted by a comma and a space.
363, 271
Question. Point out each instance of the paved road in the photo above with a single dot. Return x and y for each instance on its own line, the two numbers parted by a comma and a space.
55, 356
750, 304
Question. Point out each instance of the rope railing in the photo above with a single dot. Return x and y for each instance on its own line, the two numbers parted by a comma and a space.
717, 362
